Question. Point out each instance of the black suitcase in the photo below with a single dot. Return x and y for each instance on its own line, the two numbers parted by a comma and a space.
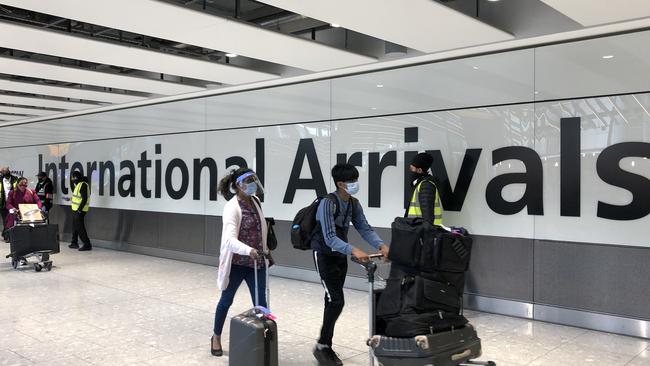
253, 337
26, 239
451, 348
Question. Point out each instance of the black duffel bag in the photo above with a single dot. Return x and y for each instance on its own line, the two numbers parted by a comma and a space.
416, 294
407, 235
420, 246
411, 325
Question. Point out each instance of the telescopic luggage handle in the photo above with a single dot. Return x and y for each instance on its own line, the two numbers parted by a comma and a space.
264, 256
370, 266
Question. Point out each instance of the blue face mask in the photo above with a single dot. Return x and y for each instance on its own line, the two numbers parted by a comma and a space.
352, 188
251, 188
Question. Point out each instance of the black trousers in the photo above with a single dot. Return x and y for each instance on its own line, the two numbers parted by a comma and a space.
79, 228
332, 270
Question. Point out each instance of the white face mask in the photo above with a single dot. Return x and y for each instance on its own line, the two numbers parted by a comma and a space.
352, 188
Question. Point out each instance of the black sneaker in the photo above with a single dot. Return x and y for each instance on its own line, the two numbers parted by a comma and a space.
327, 357
73, 246
86, 247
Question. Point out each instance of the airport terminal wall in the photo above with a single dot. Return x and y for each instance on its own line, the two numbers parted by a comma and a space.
542, 153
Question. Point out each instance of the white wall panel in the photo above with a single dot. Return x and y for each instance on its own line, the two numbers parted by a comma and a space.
485, 80
605, 122
451, 133
287, 104
180, 116
579, 69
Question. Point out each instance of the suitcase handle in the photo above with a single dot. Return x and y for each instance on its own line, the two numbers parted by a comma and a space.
264, 256
462, 355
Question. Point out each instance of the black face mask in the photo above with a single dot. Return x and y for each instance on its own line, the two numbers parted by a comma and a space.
415, 176
7, 175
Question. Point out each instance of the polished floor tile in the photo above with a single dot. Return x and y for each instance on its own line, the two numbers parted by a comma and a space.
114, 308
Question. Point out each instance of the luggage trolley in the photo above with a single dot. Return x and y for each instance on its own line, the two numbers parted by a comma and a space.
453, 348
32, 237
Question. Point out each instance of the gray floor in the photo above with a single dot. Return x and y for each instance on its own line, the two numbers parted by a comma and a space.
115, 308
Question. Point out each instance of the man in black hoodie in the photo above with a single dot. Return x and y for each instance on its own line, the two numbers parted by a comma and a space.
80, 206
45, 190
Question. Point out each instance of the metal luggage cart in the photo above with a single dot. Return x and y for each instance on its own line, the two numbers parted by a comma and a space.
33, 239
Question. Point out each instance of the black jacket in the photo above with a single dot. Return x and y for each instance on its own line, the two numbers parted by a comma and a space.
44, 188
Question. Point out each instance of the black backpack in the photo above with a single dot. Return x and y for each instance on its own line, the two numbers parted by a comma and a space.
304, 224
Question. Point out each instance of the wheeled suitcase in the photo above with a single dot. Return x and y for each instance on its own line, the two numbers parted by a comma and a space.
451, 348
254, 336
454, 347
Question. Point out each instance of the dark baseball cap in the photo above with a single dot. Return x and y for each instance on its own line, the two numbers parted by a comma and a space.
41, 174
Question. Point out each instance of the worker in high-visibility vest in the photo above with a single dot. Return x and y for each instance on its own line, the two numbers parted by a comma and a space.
425, 199
80, 204
7, 185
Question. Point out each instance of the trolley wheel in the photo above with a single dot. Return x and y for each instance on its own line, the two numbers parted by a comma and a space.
37, 267
48, 266
14, 262
491, 363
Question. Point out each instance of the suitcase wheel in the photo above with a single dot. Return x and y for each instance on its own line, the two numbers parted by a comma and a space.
48, 266
37, 267
14, 262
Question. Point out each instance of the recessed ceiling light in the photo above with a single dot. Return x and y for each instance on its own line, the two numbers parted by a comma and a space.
475, 67
373, 108
607, 57
493, 1
380, 85
231, 55
335, 25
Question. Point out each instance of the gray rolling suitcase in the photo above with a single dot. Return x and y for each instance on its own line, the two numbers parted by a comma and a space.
253, 337
451, 348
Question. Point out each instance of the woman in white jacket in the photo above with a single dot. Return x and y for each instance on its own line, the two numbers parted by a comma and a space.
243, 237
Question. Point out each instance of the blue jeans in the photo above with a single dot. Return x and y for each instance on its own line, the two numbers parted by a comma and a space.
237, 275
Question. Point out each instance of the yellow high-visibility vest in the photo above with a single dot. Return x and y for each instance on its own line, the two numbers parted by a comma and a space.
76, 198
416, 211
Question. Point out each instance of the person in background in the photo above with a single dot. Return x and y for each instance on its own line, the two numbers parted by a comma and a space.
8, 184
80, 206
20, 195
243, 238
331, 248
45, 190
425, 199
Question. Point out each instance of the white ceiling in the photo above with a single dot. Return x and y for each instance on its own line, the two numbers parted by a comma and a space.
424, 25
35, 69
173, 47
199, 29
26, 111
65, 92
45, 103
594, 12
58, 44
